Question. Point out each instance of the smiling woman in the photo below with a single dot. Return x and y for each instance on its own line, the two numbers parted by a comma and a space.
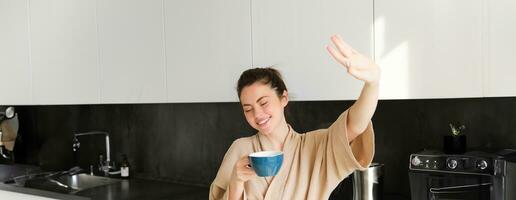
263, 95
314, 163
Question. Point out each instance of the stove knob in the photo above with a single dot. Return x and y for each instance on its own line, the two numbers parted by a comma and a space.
427, 163
452, 164
482, 164
416, 161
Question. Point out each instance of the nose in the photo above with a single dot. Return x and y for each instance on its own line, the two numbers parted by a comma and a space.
258, 113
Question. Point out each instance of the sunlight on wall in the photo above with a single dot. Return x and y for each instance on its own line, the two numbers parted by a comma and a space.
394, 64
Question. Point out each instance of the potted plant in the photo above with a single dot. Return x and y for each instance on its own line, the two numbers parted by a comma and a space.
456, 142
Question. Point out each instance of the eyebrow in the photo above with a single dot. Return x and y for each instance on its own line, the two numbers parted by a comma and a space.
256, 101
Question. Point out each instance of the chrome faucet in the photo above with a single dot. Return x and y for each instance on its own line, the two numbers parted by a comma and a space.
102, 167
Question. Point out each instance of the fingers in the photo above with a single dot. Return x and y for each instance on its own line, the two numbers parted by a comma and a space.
342, 46
242, 170
344, 52
354, 72
246, 173
243, 162
244, 159
357, 65
338, 56
347, 45
244, 165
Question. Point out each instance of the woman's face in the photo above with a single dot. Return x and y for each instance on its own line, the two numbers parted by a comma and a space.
263, 109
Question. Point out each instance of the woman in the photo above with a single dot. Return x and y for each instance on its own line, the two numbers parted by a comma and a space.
315, 162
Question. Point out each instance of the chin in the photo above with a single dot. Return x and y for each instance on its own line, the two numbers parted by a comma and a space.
266, 131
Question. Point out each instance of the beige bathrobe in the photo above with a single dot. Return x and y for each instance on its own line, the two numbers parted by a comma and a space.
313, 165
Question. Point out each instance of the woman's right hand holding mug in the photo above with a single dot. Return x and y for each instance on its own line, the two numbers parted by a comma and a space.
242, 172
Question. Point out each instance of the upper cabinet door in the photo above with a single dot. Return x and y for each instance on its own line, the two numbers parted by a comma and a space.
429, 49
63, 34
291, 35
131, 49
208, 45
501, 72
15, 68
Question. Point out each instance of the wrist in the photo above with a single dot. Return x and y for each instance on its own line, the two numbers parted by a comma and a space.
375, 79
236, 189
236, 182
373, 83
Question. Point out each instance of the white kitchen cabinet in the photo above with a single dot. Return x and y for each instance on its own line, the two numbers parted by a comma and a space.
64, 52
131, 49
429, 49
292, 35
501, 30
114, 51
15, 70
208, 45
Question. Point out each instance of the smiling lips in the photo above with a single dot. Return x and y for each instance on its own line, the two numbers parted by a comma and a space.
262, 123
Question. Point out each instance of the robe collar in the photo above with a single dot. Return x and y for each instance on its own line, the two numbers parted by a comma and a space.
276, 185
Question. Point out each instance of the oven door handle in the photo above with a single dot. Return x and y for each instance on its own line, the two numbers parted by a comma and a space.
458, 189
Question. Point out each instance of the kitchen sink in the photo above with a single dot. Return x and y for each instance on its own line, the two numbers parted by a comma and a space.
81, 182
69, 184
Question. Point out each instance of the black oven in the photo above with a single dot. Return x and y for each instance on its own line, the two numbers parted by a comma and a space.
472, 176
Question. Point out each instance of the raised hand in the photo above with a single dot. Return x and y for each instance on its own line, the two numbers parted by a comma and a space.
358, 65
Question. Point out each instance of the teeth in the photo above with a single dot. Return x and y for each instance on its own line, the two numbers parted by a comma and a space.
263, 121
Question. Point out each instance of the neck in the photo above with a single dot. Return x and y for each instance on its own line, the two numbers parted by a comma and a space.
278, 135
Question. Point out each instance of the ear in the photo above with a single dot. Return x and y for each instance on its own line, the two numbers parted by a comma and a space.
284, 98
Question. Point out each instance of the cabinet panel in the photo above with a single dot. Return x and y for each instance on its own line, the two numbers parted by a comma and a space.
131, 51
64, 52
501, 72
292, 35
208, 45
15, 67
429, 49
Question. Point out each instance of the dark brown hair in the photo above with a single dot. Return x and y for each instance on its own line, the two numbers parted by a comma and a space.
266, 75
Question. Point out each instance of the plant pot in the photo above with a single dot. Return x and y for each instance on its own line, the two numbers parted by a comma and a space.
454, 144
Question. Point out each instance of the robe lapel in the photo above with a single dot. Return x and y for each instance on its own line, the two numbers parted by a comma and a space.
261, 182
275, 190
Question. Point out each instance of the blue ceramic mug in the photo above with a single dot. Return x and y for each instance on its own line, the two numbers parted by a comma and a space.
266, 163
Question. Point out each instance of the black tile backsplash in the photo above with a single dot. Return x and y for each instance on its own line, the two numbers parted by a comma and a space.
186, 142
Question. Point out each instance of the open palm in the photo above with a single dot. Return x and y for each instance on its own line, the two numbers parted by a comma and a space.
358, 65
